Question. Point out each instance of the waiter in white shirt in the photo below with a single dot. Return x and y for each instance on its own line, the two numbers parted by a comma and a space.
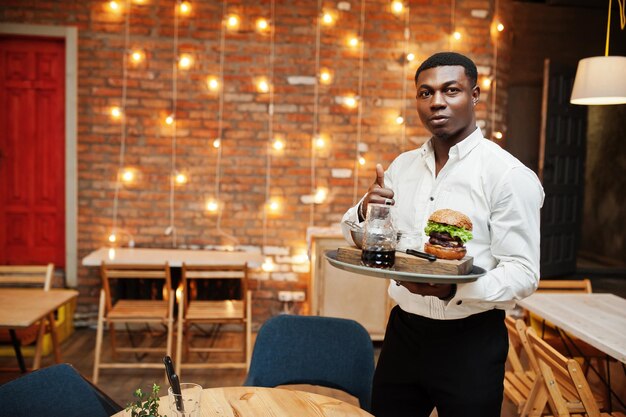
445, 344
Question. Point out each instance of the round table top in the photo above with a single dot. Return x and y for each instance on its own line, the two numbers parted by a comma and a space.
261, 402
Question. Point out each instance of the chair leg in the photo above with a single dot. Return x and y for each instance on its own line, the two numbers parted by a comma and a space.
248, 330
39, 347
113, 342
100, 330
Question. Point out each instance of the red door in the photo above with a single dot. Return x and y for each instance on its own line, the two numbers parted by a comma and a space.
32, 149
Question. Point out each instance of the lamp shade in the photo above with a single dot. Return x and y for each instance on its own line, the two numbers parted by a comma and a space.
600, 80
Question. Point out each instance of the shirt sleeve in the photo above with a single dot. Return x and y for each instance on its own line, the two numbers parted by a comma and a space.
514, 231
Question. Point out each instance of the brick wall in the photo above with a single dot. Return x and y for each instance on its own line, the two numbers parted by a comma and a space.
144, 204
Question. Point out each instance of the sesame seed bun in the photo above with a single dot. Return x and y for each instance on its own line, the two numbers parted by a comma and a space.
452, 218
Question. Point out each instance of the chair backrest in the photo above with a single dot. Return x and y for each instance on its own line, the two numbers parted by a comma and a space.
564, 380
331, 352
58, 390
194, 276
565, 286
27, 275
111, 272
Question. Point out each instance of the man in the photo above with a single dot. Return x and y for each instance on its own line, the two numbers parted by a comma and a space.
446, 345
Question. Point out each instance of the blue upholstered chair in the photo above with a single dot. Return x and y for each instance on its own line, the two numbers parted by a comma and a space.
55, 391
331, 352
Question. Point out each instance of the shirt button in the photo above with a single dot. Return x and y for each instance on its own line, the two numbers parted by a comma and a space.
432, 198
459, 302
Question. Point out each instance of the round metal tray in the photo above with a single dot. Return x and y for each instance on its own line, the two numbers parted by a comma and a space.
477, 272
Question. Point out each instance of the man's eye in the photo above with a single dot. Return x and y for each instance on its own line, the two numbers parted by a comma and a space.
452, 90
423, 94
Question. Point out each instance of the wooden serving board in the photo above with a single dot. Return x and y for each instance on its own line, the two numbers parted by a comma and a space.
409, 263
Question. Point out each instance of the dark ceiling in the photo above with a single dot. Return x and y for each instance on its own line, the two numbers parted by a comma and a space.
594, 4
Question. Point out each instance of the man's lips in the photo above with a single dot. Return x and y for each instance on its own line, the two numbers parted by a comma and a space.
438, 120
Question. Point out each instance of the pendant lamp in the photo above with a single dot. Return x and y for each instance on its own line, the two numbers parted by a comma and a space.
601, 80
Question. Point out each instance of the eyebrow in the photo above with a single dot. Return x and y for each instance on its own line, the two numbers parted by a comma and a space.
446, 84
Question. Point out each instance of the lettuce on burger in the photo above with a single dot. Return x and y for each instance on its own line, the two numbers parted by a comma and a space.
449, 230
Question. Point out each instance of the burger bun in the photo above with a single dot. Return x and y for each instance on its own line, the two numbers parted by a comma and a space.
442, 252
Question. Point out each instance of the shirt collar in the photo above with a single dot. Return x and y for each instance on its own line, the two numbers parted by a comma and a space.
459, 150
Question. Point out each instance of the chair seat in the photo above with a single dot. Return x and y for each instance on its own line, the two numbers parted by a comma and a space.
139, 309
216, 310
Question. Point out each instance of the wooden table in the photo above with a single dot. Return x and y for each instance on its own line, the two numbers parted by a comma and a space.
598, 319
175, 257
262, 402
22, 307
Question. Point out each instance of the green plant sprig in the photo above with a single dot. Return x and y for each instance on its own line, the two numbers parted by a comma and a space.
145, 407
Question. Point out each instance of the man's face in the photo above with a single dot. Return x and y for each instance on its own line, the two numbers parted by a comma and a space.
445, 102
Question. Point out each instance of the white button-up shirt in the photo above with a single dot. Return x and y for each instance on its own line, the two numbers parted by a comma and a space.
503, 199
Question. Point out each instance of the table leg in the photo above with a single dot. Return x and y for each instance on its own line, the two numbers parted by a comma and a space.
18, 350
55, 339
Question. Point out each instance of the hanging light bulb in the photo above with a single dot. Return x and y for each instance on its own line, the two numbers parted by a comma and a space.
180, 178
268, 265
328, 18
362, 160
233, 22
137, 56
397, 7
116, 112
213, 83
185, 61
115, 6
350, 102
278, 144
262, 85
262, 25
353, 41
500, 27
112, 237
185, 8
212, 206
169, 120
128, 175
217, 143
457, 35
485, 82
319, 142
320, 195
399, 120
410, 56
498, 135
326, 76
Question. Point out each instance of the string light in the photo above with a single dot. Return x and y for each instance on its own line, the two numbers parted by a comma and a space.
326, 77
353, 41
498, 135
362, 160
217, 143
213, 83
233, 22
116, 112
268, 265
399, 120
278, 144
500, 27
128, 175
180, 178
410, 56
328, 18
112, 238
319, 142
397, 7
350, 102
320, 195
115, 6
457, 35
262, 25
485, 82
185, 61
212, 206
185, 8
169, 120
274, 205
137, 56
262, 85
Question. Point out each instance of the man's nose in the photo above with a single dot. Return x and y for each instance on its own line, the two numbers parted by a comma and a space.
438, 100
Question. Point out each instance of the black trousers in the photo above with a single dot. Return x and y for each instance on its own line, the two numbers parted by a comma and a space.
454, 365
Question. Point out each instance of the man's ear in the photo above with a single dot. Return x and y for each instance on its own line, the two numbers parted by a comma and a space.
475, 94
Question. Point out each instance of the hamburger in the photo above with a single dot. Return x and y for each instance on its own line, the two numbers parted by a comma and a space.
448, 230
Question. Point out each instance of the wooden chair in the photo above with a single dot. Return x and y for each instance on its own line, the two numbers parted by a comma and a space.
37, 276
115, 309
562, 384
194, 311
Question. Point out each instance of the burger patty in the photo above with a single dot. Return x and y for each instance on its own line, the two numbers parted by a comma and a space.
444, 239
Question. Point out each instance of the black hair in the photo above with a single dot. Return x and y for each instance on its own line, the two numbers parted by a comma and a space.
450, 58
